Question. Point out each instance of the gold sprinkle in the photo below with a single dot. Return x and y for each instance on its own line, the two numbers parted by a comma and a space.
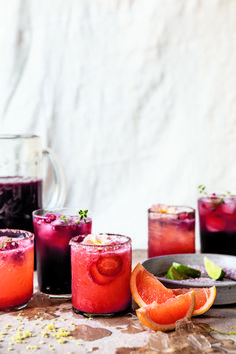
7, 325
32, 347
62, 341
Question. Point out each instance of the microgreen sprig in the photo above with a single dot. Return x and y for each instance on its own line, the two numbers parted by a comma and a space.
4, 244
217, 331
202, 189
65, 218
83, 215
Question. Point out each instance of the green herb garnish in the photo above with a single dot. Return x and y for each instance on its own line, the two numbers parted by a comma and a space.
83, 215
225, 333
202, 189
65, 218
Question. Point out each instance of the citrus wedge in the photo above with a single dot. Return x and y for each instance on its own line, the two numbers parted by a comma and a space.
188, 271
174, 274
204, 298
162, 317
146, 288
213, 270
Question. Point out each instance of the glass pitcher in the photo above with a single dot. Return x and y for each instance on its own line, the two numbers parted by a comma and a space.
22, 188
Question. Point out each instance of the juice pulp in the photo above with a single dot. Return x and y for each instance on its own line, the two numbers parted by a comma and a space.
16, 269
217, 218
101, 275
52, 235
19, 197
171, 230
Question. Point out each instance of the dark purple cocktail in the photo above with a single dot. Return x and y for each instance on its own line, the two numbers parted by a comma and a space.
53, 231
217, 217
19, 197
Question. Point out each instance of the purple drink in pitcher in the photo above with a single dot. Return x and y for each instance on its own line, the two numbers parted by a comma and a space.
217, 218
53, 231
19, 197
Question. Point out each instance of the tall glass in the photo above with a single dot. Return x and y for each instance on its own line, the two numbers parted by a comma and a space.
217, 218
171, 230
16, 268
101, 269
53, 230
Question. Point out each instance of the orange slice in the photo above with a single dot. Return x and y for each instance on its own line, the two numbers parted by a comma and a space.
162, 317
146, 288
204, 298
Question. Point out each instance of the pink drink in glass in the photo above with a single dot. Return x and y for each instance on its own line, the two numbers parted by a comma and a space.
53, 232
16, 268
101, 268
171, 230
217, 217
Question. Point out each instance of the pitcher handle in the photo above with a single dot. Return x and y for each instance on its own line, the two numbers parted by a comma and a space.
59, 193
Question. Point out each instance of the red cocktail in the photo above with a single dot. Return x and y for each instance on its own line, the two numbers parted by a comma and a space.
53, 231
171, 230
16, 268
101, 268
217, 217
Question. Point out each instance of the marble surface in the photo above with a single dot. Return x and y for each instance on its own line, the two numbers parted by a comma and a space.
48, 325
136, 97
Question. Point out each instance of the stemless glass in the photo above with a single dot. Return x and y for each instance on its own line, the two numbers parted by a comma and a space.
171, 230
53, 230
217, 218
16, 268
101, 269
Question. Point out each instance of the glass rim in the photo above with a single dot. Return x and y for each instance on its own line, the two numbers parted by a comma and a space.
18, 136
179, 209
71, 211
18, 233
74, 243
217, 196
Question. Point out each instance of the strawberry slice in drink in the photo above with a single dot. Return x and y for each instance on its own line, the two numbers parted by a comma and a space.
98, 277
109, 265
105, 269
214, 223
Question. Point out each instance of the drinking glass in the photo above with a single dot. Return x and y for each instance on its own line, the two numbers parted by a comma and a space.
16, 268
101, 269
171, 230
53, 230
217, 221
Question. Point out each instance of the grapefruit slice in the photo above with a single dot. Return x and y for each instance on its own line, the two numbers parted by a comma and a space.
162, 317
204, 298
146, 288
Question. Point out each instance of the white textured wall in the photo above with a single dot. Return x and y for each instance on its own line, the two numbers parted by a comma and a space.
137, 98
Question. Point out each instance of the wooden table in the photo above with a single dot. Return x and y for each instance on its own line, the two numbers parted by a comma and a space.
50, 326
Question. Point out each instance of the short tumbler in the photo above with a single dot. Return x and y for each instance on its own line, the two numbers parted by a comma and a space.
16, 268
171, 230
217, 218
101, 269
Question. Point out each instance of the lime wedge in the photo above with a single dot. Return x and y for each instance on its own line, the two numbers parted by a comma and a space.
188, 271
174, 274
213, 270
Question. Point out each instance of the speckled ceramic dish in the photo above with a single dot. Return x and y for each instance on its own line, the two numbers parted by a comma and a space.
225, 290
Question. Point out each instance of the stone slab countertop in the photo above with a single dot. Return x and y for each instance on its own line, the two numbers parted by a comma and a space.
50, 326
